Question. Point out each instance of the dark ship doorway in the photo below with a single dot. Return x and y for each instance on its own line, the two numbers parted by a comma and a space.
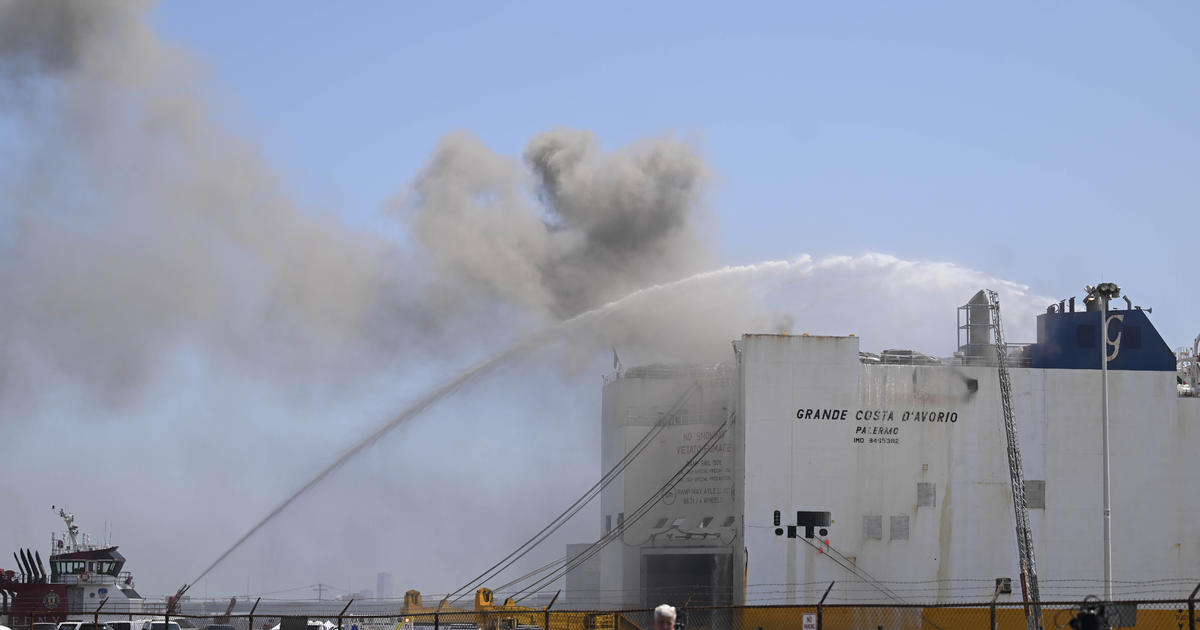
688, 577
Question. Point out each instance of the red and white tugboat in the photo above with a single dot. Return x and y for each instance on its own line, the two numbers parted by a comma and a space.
82, 575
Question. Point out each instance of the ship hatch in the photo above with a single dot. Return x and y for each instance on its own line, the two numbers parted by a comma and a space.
703, 576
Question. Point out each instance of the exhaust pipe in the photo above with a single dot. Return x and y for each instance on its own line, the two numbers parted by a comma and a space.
27, 575
38, 577
33, 574
40, 567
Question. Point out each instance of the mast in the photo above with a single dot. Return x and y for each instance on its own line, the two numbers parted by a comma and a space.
72, 528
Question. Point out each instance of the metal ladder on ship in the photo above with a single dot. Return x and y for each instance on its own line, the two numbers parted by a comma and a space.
1016, 473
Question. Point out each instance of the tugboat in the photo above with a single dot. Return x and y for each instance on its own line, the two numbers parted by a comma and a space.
82, 577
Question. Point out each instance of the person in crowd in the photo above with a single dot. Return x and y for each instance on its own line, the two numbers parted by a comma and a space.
664, 617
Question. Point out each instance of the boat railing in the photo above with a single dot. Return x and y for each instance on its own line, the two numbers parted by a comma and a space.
1018, 354
666, 371
125, 578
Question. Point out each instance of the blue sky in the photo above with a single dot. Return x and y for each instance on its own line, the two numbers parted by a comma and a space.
1050, 145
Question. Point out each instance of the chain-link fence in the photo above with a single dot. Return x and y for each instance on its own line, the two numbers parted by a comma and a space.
1141, 614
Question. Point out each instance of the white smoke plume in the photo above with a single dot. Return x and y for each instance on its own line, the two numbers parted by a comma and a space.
891, 302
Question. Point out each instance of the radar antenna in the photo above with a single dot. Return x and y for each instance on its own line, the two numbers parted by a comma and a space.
1016, 473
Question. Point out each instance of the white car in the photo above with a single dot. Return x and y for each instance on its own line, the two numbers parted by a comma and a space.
159, 625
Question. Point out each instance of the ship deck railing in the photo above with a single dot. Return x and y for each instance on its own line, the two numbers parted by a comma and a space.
1018, 355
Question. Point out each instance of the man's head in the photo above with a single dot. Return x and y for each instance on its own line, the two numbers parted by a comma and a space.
664, 617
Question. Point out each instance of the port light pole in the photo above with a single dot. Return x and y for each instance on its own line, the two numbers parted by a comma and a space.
1106, 291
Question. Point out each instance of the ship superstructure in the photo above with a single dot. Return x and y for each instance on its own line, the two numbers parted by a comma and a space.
890, 470
82, 574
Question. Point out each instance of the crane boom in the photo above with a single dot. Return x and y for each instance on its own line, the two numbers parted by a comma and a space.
1016, 473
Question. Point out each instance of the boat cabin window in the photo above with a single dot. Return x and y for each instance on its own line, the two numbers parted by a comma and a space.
76, 567
69, 567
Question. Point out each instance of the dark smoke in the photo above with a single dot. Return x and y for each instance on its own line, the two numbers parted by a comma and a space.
571, 228
579, 228
55, 37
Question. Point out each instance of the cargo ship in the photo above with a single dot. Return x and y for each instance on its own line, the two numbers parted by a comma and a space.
82, 575
888, 474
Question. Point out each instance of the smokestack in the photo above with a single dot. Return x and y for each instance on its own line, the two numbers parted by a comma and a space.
979, 323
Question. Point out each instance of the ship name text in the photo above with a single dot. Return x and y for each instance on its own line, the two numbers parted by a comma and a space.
878, 415
878, 426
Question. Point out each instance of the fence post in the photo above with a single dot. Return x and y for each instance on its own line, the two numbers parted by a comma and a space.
250, 621
435, 621
993, 606
821, 606
342, 614
552, 600
1192, 608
